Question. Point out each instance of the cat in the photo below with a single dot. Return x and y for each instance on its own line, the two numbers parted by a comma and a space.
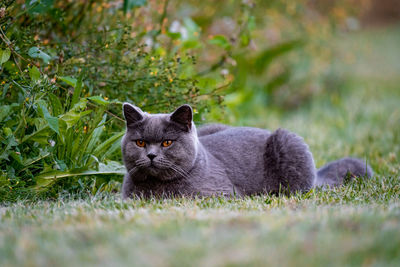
165, 155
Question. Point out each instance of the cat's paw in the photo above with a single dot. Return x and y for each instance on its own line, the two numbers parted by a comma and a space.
288, 163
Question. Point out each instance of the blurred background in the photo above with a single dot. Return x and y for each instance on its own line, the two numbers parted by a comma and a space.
328, 70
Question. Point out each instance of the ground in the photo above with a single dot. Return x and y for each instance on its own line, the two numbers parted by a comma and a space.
356, 224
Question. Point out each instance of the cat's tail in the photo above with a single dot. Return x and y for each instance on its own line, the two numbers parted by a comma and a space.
336, 172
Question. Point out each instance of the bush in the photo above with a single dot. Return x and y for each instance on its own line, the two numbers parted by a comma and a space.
66, 68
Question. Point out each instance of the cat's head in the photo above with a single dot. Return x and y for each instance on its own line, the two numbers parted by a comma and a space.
163, 146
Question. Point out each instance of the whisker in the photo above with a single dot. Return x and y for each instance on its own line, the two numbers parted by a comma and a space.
132, 171
140, 162
180, 171
173, 167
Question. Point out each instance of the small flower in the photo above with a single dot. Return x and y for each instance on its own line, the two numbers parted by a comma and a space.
105, 98
27, 99
3, 82
171, 80
152, 58
106, 45
224, 72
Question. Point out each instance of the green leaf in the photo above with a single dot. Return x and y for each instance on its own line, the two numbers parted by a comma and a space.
114, 147
39, 7
77, 90
244, 40
191, 27
99, 100
220, 41
264, 59
69, 80
9, 142
103, 147
80, 105
191, 44
55, 104
4, 112
4, 55
34, 73
277, 81
35, 52
75, 114
16, 157
112, 167
44, 179
30, 161
41, 136
52, 121
7, 131
174, 35
95, 137
71, 118
129, 4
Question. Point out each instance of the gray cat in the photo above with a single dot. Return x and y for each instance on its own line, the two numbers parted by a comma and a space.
165, 155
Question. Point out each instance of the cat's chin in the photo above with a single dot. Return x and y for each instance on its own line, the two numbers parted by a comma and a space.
155, 173
166, 176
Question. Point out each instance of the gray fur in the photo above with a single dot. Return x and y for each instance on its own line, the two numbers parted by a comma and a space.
210, 129
218, 159
334, 173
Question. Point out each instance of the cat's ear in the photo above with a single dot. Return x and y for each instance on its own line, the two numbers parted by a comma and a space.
183, 115
132, 114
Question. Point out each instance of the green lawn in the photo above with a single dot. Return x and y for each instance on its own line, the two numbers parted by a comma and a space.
357, 224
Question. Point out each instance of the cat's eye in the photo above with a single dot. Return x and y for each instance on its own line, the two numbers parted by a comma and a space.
166, 143
140, 143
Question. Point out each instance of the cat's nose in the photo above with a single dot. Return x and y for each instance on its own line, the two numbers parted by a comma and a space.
151, 156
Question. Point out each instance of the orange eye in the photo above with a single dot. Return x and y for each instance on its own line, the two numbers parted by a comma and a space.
166, 143
140, 143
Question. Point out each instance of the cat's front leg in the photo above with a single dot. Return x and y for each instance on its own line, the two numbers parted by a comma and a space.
288, 163
127, 187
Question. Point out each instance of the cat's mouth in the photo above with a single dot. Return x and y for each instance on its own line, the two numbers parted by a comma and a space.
153, 169
159, 169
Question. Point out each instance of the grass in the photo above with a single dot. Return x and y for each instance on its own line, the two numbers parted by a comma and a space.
356, 224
